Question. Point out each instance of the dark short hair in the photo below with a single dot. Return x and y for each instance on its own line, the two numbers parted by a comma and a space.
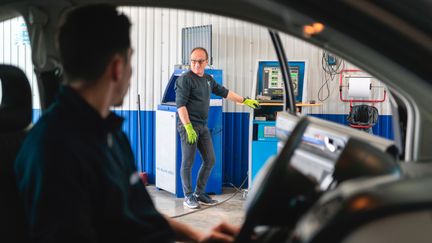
89, 37
202, 49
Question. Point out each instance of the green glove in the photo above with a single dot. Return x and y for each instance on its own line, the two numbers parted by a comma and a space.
251, 103
191, 134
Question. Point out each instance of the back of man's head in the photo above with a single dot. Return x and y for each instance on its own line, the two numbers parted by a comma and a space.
89, 37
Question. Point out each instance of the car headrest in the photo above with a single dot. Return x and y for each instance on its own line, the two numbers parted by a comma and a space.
16, 103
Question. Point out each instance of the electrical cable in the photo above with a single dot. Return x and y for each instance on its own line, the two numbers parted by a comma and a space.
217, 204
329, 73
236, 188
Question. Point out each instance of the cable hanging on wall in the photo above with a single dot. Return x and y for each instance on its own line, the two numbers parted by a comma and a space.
331, 67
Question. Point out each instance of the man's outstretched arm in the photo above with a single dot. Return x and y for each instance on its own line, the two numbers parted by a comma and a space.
240, 99
234, 97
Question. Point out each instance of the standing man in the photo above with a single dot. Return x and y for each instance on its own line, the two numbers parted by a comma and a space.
193, 90
75, 171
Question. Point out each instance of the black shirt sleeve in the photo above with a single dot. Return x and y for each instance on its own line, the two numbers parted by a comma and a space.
182, 89
218, 89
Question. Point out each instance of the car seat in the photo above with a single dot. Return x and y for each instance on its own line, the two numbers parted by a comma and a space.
15, 118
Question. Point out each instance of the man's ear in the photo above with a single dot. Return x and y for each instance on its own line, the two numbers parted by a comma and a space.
116, 67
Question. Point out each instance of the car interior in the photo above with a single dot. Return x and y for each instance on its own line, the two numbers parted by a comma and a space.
328, 182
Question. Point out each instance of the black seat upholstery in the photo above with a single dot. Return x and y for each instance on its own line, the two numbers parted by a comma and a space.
15, 117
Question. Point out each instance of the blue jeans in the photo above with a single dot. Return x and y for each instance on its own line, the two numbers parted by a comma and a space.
205, 147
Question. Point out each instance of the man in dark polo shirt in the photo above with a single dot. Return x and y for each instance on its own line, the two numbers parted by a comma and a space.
76, 172
193, 90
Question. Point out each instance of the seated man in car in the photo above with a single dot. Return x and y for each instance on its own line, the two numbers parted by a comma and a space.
76, 172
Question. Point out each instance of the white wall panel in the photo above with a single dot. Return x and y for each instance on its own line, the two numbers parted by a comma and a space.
333, 104
237, 46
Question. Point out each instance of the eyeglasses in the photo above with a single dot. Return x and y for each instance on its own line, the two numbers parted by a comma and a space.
198, 61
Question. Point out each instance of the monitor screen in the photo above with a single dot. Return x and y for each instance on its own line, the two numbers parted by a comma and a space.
273, 78
273, 82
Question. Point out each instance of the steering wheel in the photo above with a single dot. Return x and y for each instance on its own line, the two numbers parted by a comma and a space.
284, 193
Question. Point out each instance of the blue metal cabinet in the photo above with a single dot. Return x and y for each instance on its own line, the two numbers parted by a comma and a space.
269, 87
264, 144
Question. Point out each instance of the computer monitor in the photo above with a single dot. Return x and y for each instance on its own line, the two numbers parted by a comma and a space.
271, 82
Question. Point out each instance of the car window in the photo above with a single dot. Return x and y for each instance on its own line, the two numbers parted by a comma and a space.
15, 50
238, 50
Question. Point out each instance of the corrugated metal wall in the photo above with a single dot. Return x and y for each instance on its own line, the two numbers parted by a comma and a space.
237, 46
156, 35
333, 104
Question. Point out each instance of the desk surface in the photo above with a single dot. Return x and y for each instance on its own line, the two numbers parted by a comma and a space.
297, 104
308, 104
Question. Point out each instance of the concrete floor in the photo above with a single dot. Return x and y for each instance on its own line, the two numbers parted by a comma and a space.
230, 211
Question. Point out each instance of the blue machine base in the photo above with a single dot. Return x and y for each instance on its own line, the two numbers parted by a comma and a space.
261, 151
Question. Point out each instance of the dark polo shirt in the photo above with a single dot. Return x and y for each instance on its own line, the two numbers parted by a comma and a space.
77, 177
193, 92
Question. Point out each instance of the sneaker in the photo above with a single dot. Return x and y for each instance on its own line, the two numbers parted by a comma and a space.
191, 202
205, 199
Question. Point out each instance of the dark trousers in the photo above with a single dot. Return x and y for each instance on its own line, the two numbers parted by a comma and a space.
205, 147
